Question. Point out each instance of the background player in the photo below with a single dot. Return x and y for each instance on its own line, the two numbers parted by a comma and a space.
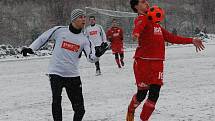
115, 36
96, 34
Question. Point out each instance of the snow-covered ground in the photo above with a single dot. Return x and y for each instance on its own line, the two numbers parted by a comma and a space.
187, 95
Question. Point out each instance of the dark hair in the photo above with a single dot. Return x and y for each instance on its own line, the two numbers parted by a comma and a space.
114, 20
133, 3
92, 17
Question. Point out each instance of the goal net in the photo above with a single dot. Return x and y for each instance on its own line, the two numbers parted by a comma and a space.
124, 20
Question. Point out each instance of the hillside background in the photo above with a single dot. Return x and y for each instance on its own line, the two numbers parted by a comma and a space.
21, 21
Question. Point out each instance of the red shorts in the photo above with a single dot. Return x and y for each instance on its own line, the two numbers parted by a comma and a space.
148, 72
117, 48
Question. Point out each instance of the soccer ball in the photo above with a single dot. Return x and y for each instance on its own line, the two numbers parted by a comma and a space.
155, 14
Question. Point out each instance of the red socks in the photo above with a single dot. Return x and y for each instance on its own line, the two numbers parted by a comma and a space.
133, 104
148, 108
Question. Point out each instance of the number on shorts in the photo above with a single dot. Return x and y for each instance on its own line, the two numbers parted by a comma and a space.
160, 75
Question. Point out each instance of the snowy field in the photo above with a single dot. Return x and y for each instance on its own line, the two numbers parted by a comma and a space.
188, 93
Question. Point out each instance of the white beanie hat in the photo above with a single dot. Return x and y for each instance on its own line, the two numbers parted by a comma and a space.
77, 13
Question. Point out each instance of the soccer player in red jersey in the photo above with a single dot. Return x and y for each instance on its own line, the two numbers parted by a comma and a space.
115, 36
149, 57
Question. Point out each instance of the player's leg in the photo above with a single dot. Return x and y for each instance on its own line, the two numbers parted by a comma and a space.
56, 87
117, 59
97, 64
122, 59
149, 105
137, 99
156, 80
98, 71
74, 92
139, 72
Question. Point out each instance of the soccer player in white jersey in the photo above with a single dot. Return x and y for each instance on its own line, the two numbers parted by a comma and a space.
63, 70
97, 35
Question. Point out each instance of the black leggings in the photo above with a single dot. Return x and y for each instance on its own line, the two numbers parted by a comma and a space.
97, 65
117, 55
74, 91
154, 91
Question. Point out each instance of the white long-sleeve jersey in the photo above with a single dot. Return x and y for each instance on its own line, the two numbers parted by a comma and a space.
96, 34
67, 50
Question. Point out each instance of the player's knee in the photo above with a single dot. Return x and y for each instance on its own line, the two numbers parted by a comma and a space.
78, 107
121, 55
154, 92
116, 56
153, 96
56, 100
79, 111
141, 95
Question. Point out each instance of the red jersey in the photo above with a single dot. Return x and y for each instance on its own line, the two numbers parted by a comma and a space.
115, 35
151, 42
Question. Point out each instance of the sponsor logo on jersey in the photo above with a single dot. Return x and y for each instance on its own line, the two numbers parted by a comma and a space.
70, 46
157, 31
93, 33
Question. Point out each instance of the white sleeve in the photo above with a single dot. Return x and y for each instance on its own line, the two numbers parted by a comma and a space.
89, 50
103, 34
43, 38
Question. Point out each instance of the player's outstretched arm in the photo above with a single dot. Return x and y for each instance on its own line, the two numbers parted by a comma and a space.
40, 41
198, 44
169, 37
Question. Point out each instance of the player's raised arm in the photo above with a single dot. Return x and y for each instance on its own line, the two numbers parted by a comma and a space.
169, 37
40, 41
43, 38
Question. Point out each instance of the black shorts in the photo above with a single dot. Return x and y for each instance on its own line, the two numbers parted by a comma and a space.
72, 86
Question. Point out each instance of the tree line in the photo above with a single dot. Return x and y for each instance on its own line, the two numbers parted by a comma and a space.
21, 21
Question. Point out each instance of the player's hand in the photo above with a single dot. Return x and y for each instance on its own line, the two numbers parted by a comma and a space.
26, 50
135, 36
198, 44
104, 44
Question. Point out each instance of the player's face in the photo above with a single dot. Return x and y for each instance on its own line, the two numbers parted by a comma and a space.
114, 23
92, 21
80, 22
142, 6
